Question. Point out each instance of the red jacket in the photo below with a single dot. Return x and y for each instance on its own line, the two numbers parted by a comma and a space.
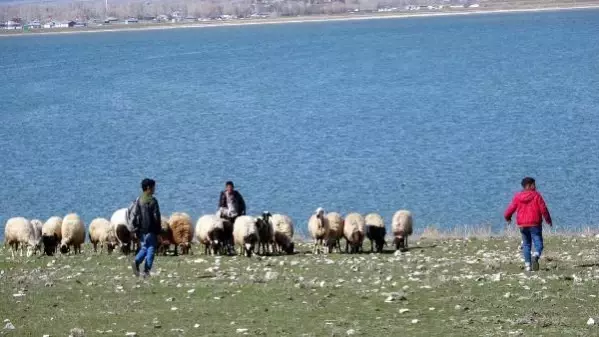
531, 209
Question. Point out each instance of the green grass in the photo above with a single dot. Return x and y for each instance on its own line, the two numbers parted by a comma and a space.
311, 295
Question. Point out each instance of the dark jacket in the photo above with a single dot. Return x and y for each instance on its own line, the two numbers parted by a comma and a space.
238, 202
147, 216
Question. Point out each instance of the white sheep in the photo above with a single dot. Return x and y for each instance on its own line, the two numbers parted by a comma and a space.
73, 233
318, 225
124, 232
19, 233
182, 231
402, 227
283, 229
165, 238
375, 231
353, 230
245, 234
335, 231
210, 232
37, 227
52, 234
101, 233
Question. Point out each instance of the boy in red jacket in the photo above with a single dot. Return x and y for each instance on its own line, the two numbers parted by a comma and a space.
531, 210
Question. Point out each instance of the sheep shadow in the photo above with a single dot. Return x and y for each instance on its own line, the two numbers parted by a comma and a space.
588, 265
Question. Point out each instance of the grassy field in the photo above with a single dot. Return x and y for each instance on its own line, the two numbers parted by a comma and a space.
453, 287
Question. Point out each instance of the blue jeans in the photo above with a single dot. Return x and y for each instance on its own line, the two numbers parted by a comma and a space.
148, 247
531, 235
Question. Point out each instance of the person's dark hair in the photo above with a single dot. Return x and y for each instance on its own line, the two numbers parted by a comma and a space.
527, 181
229, 183
147, 183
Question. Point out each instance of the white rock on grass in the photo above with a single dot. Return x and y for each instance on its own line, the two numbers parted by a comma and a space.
131, 334
414, 321
350, 332
271, 275
77, 332
191, 291
241, 330
9, 326
404, 310
591, 321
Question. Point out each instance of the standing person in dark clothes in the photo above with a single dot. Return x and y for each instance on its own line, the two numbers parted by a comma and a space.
230, 206
146, 220
231, 203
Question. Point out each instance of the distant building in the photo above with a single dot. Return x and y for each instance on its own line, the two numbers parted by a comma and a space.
80, 24
162, 18
131, 20
13, 24
473, 6
64, 24
110, 19
35, 24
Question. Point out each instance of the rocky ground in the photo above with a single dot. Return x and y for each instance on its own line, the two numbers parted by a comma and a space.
457, 287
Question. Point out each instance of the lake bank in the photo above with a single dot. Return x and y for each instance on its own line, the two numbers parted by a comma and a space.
303, 19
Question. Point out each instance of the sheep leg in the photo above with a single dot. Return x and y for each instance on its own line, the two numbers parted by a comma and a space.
405, 242
371, 246
95, 244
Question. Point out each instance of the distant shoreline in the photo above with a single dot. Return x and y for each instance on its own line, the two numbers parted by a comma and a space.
300, 19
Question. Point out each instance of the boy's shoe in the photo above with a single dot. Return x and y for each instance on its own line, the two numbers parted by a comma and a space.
145, 274
135, 268
527, 267
535, 262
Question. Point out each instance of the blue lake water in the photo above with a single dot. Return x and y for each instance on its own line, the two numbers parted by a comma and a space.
442, 116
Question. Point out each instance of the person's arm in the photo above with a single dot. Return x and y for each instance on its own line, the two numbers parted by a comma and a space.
241, 204
544, 210
222, 202
510, 210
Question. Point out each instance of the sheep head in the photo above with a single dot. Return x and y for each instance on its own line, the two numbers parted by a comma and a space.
290, 248
110, 246
64, 249
185, 247
250, 244
49, 244
266, 216
399, 243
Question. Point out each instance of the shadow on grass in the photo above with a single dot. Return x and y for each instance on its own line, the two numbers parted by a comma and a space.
588, 265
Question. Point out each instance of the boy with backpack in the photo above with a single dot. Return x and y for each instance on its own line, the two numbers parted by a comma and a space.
531, 209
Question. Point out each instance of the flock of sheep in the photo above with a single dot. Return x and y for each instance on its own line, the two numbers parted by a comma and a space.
268, 233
